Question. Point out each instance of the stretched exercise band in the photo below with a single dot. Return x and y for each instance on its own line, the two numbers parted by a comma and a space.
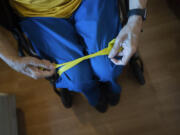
66, 66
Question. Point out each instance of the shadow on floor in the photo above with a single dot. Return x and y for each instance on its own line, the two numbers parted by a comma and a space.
87, 115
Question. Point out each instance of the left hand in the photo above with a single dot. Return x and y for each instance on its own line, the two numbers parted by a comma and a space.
128, 39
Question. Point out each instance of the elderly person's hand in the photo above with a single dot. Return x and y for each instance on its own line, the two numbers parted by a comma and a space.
32, 67
128, 39
29, 66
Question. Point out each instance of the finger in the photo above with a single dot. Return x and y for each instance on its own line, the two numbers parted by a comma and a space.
43, 64
39, 63
27, 71
38, 73
49, 64
125, 59
121, 53
118, 62
123, 56
115, 61
115, 50
117, 57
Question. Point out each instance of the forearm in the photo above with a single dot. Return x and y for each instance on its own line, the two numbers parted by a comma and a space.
137, 20
137, 4
8, 52
128, 37
29, 66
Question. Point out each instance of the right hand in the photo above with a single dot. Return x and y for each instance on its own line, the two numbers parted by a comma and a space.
33, 67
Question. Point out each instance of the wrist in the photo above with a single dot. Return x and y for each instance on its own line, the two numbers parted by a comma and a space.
135, 23
10, 59
135, 19
134, 4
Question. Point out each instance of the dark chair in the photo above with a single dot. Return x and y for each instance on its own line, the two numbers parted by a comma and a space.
9, 20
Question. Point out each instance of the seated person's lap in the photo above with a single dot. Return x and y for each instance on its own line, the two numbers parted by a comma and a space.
56, 40
97, 22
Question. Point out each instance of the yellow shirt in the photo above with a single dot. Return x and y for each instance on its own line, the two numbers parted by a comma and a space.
45, 8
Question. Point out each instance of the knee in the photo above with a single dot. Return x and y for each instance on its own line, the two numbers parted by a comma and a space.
78, 77
104, 69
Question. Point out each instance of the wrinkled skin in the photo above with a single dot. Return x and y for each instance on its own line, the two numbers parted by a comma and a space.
128, 39
29, 66
33, 67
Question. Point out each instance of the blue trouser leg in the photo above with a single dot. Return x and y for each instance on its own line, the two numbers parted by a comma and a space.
98, 22
56, 39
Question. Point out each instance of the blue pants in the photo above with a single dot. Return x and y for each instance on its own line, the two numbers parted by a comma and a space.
92, 26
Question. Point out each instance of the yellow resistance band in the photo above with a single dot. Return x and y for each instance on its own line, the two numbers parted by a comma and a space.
70, 64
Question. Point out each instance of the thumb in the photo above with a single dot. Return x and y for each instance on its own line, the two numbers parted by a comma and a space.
39, 63
115, 49
119, 40
37, 73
